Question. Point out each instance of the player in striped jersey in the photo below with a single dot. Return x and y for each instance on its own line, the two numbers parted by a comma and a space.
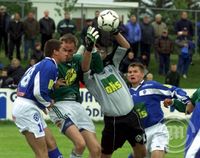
68, 113
147, 96
33, 96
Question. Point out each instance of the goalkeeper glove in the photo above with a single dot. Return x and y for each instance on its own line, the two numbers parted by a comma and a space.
91, 38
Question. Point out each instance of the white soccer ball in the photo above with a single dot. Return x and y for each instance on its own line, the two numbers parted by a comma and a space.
108, 20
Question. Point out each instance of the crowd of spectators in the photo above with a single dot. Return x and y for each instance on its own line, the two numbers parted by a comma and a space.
145, 37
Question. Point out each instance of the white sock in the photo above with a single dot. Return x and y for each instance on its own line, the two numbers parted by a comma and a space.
75, 155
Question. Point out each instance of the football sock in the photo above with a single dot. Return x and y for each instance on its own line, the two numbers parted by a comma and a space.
75, 155
55, 154
130, 156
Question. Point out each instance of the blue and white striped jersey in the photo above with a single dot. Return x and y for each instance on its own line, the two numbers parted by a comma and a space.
147, 98
38, 81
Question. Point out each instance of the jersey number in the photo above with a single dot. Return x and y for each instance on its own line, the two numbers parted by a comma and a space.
24, 82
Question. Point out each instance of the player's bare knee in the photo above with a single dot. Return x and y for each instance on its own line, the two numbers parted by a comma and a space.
80, 146
140, 151
96, 151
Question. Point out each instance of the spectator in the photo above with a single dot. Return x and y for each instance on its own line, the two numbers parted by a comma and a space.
130, 58
143, 59
84, 30
1, 65
15, 71
184, 23
3, 78
198, 33
31, 63
149, 76
31, 30
38, 54
122, 27
159, 26
173, 77
4, 22
133, 34
94, 21
47, 28
147, 37
15, 31
66, 25
186, 47
164, 47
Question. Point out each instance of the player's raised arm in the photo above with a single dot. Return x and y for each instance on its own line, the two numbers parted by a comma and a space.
122, 41
90, 40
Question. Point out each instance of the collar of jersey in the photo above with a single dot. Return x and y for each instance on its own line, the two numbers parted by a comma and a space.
136, 88
52, 60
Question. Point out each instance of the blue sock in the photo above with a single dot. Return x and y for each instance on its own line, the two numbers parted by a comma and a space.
55, 154
130, 156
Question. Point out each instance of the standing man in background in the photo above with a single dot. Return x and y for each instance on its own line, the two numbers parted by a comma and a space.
47, 28
147, 37
133, 34
66, 25
15, 30
159, 26
4, 21
31, 31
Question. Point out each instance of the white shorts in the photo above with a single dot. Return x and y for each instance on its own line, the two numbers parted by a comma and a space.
73, 110
27, 117
157, 138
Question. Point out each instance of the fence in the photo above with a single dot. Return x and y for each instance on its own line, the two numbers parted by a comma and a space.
83, 11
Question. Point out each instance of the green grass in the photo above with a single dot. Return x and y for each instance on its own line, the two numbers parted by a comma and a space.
13, 144
193, 75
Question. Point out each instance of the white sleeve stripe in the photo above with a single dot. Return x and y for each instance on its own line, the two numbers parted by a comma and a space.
36, 91
152, 91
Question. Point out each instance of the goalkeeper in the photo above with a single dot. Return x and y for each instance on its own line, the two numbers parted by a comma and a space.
110, 90
192, 147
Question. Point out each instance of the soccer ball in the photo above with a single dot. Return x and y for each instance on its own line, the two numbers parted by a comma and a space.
108, 20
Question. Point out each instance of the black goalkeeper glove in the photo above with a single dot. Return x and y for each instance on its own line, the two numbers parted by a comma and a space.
91, 38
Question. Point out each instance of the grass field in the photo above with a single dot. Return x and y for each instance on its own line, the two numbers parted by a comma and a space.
13, 144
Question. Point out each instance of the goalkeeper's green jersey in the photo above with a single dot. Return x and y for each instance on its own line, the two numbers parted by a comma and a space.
194, 99
72, 72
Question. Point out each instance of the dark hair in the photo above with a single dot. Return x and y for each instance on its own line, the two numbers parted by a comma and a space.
50, 46
137, 64
69, 38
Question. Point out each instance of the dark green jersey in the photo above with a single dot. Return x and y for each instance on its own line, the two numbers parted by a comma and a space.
72, 73
194, 99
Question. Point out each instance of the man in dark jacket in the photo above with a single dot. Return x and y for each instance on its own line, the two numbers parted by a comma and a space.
31, 31
4, 21
47, 28
147, 37
184, 23
15, 31
164, 47
66, 25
